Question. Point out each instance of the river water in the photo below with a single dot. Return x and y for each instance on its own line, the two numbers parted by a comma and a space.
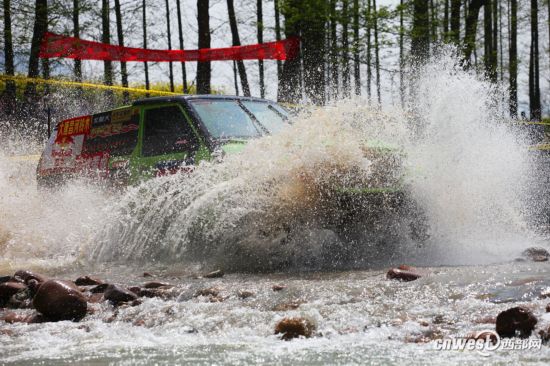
262, 216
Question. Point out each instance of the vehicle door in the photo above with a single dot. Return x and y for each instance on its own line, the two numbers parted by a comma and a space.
169, 142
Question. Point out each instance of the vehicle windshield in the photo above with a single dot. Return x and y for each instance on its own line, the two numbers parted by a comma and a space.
225, 118
271, 117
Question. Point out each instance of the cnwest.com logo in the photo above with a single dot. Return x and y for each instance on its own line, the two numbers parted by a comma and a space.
486, 342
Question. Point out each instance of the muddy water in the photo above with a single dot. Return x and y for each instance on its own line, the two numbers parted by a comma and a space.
268, 216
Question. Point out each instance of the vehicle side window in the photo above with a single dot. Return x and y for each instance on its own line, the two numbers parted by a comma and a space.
167, 131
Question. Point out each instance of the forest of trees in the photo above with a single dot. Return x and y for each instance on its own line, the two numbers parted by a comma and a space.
342, 43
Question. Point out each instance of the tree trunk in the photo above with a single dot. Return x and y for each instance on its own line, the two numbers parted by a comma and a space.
169, 34
144, 26
501, 43
183, 68
471, 29
402, 53
290, 82
454, 35
46, 62
446, 21
420, 34
534, 70
260, 29
377, 52
346, 76
120, 35
106, 38
278, 38
313, 33
356, 49
513, 55
490, 52
369, 53
40, 27
334, 49
9, 93
237, 42
434, 20
235, 78
76, 34
494, 55
203, 67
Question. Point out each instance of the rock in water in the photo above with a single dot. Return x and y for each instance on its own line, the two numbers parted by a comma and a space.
87, 281
117, 294
278, 287
26, 276
60, 300
156, 284
8, 289
245, 294
216, 274
536, 254
515, 321
402, 275
99, 289
294, 327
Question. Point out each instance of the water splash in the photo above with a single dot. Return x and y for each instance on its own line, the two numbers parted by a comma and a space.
277, 204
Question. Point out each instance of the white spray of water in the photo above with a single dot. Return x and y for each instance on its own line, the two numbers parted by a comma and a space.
267, 207
276, 204
42, 229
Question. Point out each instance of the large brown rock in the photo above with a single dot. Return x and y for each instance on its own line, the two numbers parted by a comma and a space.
60, 300
518, 321
402, 275
8, 289
294, 327
117, 294
26, 276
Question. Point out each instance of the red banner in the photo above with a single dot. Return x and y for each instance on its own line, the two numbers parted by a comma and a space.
54, 45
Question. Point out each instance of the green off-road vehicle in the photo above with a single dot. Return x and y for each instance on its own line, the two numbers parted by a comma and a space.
155, 136
159, 136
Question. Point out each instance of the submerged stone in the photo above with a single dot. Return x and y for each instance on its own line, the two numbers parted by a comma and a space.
8, 289
60, 300
215, 274
278, 287
536, 254
294, 327
518, 321
155, 284
245, 294
211, 291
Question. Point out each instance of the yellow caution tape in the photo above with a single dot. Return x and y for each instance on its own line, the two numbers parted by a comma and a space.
540, 147
31, 158
84, 85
